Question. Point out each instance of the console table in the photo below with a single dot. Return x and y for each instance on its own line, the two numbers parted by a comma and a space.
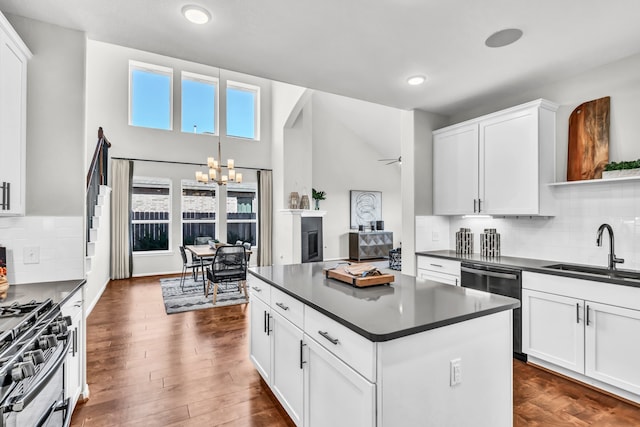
370, 244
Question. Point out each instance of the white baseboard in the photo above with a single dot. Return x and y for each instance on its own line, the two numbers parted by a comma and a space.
96, 299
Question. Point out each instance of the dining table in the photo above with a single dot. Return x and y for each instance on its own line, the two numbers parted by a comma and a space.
206, 251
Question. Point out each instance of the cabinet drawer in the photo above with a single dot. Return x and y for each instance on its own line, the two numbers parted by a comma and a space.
73, 306
289, 307
447, 266
352, 348
436, 276
259, 288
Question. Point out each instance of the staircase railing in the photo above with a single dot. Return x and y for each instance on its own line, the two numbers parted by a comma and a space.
97, 176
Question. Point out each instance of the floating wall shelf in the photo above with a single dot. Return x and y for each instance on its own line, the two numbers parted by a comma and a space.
596, 181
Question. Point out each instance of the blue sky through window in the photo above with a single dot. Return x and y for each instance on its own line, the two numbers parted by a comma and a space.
150, 99
241, 113
198, 106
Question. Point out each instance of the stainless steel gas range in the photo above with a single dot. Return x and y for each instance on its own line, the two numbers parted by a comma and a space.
34, 341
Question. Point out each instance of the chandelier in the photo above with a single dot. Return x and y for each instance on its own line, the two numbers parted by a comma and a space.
215, 171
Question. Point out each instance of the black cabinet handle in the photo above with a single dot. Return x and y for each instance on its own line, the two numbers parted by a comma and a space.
436, 265
6, 196
326, 335
474, 205
577, 312
268, 324
302, 362
282, 306
257, 289
587, 315
479, 205
264, 320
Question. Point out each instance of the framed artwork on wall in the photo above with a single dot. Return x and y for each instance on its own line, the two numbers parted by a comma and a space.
366, 206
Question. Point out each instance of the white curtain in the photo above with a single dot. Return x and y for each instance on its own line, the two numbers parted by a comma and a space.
265, 217
121, 258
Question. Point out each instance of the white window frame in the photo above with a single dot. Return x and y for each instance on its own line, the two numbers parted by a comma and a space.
150, 68
245, 221
256, 106
197, 221
187, 75
150, 181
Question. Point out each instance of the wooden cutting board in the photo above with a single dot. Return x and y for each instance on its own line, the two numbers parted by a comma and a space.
588, 140
340, 273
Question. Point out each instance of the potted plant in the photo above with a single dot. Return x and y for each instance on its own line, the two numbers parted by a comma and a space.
620, 169
317, 196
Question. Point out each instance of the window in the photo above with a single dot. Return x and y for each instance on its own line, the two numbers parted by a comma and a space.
199, 103
242, 210
150, 95
198, 211
243, 112
150, 214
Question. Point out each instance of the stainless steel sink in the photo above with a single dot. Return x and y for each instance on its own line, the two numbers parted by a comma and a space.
597, 271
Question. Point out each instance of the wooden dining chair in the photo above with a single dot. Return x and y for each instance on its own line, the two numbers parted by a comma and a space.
229, 266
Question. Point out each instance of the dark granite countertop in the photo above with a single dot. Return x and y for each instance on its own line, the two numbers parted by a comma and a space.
532, 264
57, 291
385, 312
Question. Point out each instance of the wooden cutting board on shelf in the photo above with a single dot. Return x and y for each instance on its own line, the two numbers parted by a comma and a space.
588, 140
353, 275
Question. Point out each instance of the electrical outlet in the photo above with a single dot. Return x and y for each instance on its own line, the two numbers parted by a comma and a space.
31, 254
455, 372
435, 236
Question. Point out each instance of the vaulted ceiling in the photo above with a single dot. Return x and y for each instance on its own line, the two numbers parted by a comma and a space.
367, 49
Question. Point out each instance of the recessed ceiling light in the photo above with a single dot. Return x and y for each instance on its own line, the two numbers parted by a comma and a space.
416, 80
196, 14
503, 37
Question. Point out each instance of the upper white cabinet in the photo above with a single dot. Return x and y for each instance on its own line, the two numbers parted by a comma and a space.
13, 117
498, 164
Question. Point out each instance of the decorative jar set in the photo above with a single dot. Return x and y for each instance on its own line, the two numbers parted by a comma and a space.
489, 242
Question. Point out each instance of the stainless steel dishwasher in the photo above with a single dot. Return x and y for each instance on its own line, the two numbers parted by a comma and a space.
501, 281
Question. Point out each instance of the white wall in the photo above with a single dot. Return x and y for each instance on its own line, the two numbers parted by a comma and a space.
344, 160
107, 106
55, 118
570, 235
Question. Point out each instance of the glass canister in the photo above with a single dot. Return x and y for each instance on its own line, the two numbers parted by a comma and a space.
490, 243
464, 241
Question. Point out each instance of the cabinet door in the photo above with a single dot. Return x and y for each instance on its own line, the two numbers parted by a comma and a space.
287, 375
260, 343
509, 163
335, 394
12, 126
553, 329
612, 345
72, 373
455, 170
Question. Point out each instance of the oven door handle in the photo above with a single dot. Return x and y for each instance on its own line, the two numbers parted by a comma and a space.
508, 276
57, 406
18, 403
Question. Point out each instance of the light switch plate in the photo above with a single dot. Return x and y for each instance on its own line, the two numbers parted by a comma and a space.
31, 254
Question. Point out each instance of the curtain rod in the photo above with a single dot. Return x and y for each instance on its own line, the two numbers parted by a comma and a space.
184, 163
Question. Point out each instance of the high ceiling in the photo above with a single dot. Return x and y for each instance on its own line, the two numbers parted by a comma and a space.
366, 49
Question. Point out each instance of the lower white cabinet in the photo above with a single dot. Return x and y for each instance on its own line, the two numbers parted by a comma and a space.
553, 328
612, 345
287, 373
73, 378
260, 337
438, 269
581, 326
335, 394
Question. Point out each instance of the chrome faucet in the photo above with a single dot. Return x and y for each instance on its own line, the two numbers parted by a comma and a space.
612, 256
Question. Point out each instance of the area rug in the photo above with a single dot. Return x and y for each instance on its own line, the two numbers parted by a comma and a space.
192, 297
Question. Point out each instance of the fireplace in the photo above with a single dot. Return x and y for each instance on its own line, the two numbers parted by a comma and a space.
311, 239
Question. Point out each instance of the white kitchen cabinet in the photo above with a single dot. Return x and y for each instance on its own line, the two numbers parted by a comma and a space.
287, 373
553, 328
612, 345
335, 394
438, 269
584, 327
498, 164
73, 378
455, 169
13, 115
260, 342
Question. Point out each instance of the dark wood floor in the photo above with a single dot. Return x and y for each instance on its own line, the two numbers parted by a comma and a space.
146, 368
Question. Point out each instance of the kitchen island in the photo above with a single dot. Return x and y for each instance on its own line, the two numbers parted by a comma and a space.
411, 353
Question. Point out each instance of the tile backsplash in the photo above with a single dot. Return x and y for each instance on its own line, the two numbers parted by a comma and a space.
569, 236
56, 243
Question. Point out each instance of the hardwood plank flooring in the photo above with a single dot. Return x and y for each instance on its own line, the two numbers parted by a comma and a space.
146, 368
